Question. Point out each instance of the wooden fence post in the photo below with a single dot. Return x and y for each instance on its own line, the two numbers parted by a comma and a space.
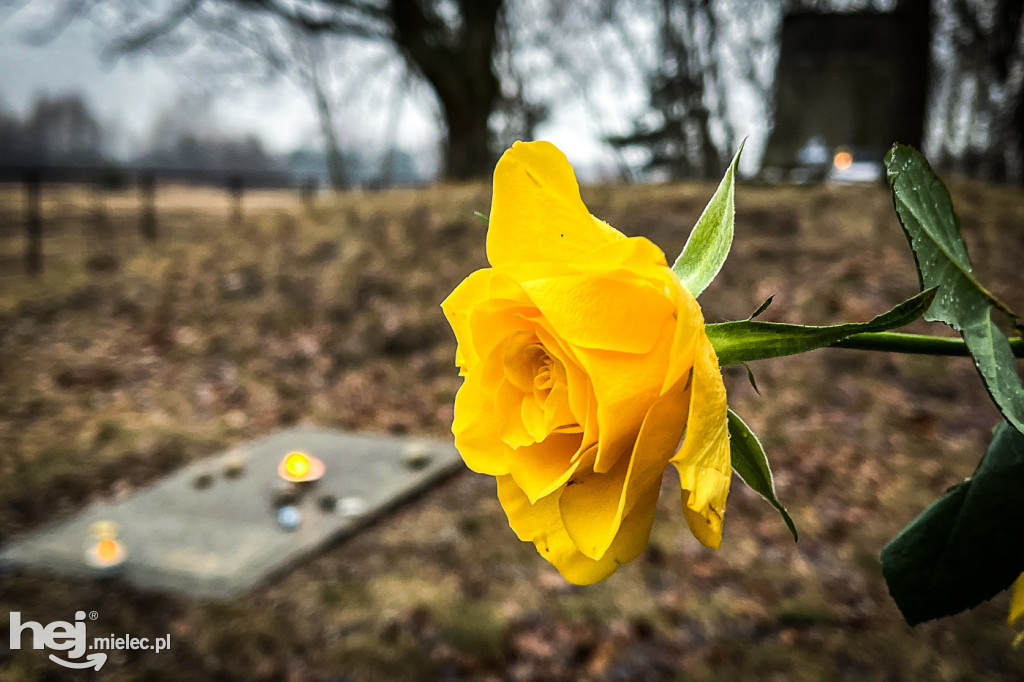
236, 188
33, 223
147, 211
100, 224
307, 192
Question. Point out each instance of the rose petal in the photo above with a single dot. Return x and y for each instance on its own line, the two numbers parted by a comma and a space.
626, 386
557, 413
689, 327
528, 414
493, 322
594, 504
486, 307
647, 262
615, 311
533, 418
703, 461
635, 253
545, 466
1017, 601
576, 380
536, 211
457, 307
523, 359
474, 425
508, 404
541, 523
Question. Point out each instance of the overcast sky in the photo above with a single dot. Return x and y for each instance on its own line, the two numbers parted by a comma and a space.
128, 94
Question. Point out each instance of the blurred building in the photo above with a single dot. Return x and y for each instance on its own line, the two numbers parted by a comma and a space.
851, 81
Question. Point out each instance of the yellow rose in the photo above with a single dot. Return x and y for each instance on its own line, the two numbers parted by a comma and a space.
1017, 606
584, 361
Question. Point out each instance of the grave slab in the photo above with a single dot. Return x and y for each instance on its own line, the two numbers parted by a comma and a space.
211, 529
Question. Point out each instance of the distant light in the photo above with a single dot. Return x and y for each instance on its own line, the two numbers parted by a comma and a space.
107, 550
102, 550
842, 160
289, 517
105, 529
296, 464
105, 554
298, 467
352, 506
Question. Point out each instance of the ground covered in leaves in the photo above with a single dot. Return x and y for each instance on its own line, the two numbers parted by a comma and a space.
125, 360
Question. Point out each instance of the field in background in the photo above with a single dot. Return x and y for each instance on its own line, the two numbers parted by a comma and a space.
86, 228
223, 331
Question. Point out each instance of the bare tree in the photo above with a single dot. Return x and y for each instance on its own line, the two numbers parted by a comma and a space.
278, 48
310, 58
687, 95
586, 60
516, 115
449, 44
978, 105
63, 130
452, 45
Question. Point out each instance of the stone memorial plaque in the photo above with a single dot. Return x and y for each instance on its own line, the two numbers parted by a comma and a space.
221, 525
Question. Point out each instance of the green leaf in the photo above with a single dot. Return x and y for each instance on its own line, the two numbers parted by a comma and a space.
966, 547
750, 462
926, 214
746, 340
751, 379
709, 242
763, 307
481, 216
933, 230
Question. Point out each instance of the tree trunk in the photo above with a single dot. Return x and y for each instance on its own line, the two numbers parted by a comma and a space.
467, 147
325, 116
1009, 118
458, 64
986, 76
332, 150
916, 26
696, 155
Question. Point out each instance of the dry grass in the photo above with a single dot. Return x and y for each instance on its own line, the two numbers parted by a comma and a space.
220, 333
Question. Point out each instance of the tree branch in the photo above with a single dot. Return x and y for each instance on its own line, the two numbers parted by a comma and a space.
364, 19
142, 38
72, 10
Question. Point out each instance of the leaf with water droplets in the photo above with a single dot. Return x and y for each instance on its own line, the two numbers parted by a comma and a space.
965, 548
926, 213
